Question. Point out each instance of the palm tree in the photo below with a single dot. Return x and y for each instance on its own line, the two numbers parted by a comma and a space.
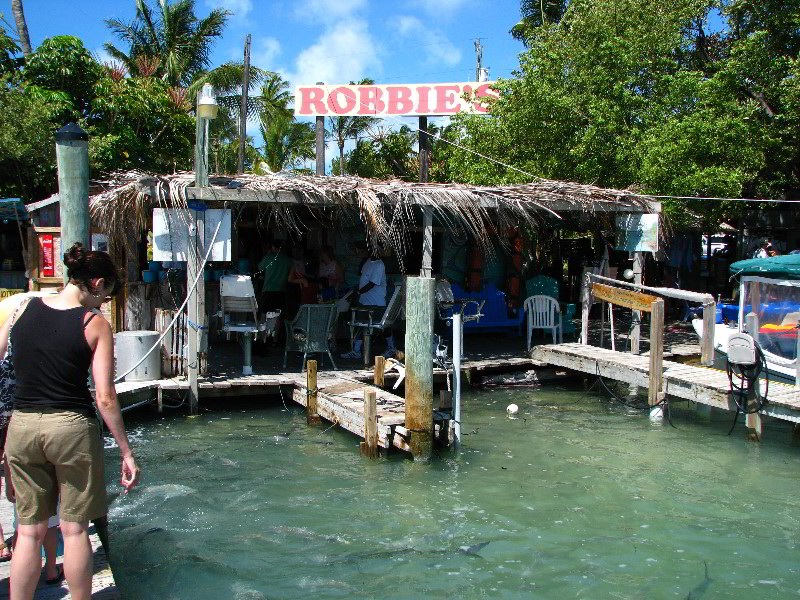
22, 27
274, 100
173, 35
287, 142
345, 128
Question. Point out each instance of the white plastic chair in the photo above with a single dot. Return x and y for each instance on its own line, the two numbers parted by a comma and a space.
543, 312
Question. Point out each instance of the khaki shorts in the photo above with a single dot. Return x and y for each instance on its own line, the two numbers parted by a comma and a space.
52, 453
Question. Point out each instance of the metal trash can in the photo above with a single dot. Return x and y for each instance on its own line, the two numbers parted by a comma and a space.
129, 347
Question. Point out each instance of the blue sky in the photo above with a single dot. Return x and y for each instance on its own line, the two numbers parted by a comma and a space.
336, 41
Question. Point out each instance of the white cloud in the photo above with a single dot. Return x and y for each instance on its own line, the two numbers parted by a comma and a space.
329, 9
345, 52
434, 45
239, 8
264, 52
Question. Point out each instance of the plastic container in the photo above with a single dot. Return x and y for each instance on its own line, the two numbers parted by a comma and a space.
149, 276
129, 347
154, 265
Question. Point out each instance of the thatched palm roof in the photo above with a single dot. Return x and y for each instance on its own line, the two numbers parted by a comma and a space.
385, 207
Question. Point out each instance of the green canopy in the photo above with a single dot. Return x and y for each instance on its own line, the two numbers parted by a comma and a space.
776, 267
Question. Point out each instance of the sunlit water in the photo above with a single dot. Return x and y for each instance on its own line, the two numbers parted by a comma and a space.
575, 498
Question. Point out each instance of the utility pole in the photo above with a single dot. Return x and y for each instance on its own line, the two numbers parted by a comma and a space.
478, 58
243, 109
320, 144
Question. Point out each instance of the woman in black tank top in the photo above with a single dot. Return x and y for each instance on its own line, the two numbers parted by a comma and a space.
54, 445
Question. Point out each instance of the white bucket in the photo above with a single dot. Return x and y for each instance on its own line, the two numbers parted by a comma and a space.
129, 347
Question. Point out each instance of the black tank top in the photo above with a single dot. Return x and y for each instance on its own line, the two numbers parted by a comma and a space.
51, 358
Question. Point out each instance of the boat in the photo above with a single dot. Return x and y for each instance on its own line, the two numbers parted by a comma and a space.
772, 285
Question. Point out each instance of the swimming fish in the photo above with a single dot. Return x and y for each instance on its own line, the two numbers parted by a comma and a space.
474, 549
700, 588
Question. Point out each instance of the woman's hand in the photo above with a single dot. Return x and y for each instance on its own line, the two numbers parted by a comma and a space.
130, 472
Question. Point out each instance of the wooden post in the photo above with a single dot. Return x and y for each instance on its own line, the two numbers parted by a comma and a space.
656, 377
753, 420
196, 304
586, 304
320, 131
638, 267
707, 341
380, 363
611, 325
369, 447
419, 365
72, 159
424, 150
312, 416
160, 399
243, 108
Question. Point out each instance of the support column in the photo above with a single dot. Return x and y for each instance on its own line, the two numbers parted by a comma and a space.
72, 158
427, 242
419, 365
320, 131
655, 392
424, 150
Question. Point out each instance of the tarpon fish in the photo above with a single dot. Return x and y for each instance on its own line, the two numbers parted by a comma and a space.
701, 588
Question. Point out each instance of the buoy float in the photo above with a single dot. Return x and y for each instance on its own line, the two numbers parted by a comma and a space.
512, 409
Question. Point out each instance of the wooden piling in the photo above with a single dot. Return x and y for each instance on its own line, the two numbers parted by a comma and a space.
369, 447
72, 160
753, 420
586, 304
707, 341
419, 365
655, 392
380, 365
312, 416
638, 267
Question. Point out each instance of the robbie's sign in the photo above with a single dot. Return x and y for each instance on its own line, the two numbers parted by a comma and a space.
392, 100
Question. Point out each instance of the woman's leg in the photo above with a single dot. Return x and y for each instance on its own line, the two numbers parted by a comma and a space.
77, 559
50, 553
26, 564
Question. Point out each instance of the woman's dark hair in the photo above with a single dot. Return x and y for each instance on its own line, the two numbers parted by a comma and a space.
83, 266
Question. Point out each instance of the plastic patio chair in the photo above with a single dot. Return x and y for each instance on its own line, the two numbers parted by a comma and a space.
311, 331
543, 312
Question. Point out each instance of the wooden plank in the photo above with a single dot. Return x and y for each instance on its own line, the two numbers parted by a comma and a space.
380, 365
312, 418
627, 298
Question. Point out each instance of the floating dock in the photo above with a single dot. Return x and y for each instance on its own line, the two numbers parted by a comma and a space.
702, 385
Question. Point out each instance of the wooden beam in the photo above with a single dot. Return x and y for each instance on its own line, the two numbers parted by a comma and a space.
655, 392
586, 304
627, 298
753, 420
707, 341
636, 329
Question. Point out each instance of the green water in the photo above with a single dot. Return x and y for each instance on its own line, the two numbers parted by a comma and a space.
577, 498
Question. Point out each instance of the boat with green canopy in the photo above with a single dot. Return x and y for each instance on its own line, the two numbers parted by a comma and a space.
770, 288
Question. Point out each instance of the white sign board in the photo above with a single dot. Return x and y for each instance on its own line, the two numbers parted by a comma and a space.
171, 233
409, 100
637, 233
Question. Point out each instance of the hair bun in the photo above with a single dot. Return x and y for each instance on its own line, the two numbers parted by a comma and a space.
75, 257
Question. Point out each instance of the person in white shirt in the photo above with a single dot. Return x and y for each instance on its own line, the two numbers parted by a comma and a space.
371, 294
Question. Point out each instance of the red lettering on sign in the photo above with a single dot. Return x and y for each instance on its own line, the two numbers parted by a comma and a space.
483, 91
311, 101
424, 108
371, 103
349, 98
48, 264
446, 99
399, 100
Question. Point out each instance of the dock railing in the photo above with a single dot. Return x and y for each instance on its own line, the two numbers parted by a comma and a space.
706, 300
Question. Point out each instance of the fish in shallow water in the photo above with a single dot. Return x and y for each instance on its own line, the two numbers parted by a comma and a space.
701, 587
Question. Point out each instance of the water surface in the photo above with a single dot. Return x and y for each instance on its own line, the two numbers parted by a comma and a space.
578, 497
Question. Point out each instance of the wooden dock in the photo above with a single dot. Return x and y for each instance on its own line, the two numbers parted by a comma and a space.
103, 585
340, 398
703, 385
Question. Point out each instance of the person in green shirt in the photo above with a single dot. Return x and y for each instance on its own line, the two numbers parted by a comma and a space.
275, 267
